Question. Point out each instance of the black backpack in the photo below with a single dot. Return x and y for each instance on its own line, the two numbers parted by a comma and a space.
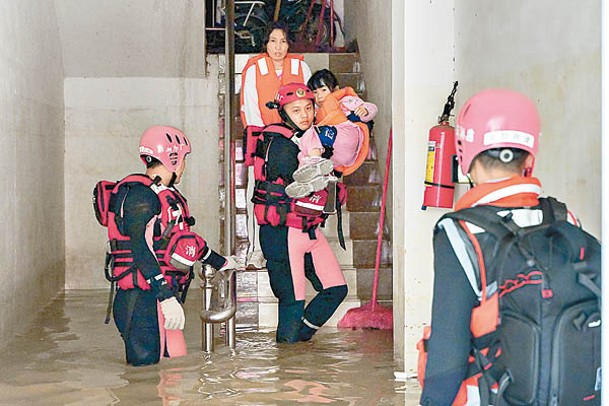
549, 335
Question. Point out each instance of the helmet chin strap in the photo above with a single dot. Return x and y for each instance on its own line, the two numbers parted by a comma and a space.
156, 179
286, 119
298, 132
173, 179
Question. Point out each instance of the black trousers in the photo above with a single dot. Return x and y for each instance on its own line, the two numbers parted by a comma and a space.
135, 316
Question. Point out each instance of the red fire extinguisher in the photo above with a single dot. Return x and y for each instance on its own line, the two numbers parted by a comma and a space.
439, 182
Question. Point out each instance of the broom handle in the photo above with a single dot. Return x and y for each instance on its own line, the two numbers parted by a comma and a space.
379, 239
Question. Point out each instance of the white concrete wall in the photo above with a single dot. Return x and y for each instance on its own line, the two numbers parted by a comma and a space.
135, 38
130, 65
105, 118
31, 161
549, 50
423, 78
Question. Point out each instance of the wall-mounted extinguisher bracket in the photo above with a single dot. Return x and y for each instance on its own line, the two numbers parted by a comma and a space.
439, 182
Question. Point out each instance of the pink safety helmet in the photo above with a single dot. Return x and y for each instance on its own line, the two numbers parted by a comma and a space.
167, 144
292, 92
496, 118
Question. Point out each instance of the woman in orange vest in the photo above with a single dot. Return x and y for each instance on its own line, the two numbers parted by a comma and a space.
260, 80
340, 139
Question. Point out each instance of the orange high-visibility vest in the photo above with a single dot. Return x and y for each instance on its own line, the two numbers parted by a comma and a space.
267, 82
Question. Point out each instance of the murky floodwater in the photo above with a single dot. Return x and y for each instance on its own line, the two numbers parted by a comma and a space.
72, 358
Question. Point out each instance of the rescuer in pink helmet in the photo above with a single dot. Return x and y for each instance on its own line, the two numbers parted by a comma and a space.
169, 146
500, 124
153, 250
497, 139
295, 248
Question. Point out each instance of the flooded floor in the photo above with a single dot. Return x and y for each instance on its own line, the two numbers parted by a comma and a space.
72, 358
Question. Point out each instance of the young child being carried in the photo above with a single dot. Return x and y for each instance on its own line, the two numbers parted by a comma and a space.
338, 139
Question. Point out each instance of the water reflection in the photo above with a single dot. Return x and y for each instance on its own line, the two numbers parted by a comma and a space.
72, 358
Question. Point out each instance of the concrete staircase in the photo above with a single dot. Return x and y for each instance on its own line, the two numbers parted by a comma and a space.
257, 305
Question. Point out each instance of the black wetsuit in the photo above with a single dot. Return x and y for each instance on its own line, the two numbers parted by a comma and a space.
282, 162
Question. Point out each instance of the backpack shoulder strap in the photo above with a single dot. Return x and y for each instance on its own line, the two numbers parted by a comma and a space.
464, 251
486, 217
552, 210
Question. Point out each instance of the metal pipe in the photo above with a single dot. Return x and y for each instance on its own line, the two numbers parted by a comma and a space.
229, 149
207, 329
231, 325
605, 178
221, 303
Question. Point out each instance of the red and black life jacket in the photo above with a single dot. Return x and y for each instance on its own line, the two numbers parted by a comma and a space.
271, 204
174, 217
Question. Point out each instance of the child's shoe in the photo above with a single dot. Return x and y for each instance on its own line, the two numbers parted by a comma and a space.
312, 167
302, 189
255, 260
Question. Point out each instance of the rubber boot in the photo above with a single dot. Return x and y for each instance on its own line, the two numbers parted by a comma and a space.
319, 311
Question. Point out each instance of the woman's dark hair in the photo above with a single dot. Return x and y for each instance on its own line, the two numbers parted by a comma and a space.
322, 78
276, 25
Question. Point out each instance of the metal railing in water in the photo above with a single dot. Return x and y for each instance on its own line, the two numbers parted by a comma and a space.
219, 305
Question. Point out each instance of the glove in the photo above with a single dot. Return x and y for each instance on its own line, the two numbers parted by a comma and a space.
327, 135
232, 262
173, 313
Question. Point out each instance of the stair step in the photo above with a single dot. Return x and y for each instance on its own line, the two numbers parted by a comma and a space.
364, 253
241, 245
241, 225
366, 174
365, 226
344, 62
241, 198
353, 80
364, 198
365, 283
344, 256
330, 229
372, 153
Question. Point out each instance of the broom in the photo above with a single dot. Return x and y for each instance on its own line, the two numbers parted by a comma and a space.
373, 315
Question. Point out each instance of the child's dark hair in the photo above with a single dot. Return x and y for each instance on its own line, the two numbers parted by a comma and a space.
322, 78
276, 25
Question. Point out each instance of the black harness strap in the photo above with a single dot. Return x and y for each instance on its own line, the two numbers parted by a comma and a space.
130, 307
339, 224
